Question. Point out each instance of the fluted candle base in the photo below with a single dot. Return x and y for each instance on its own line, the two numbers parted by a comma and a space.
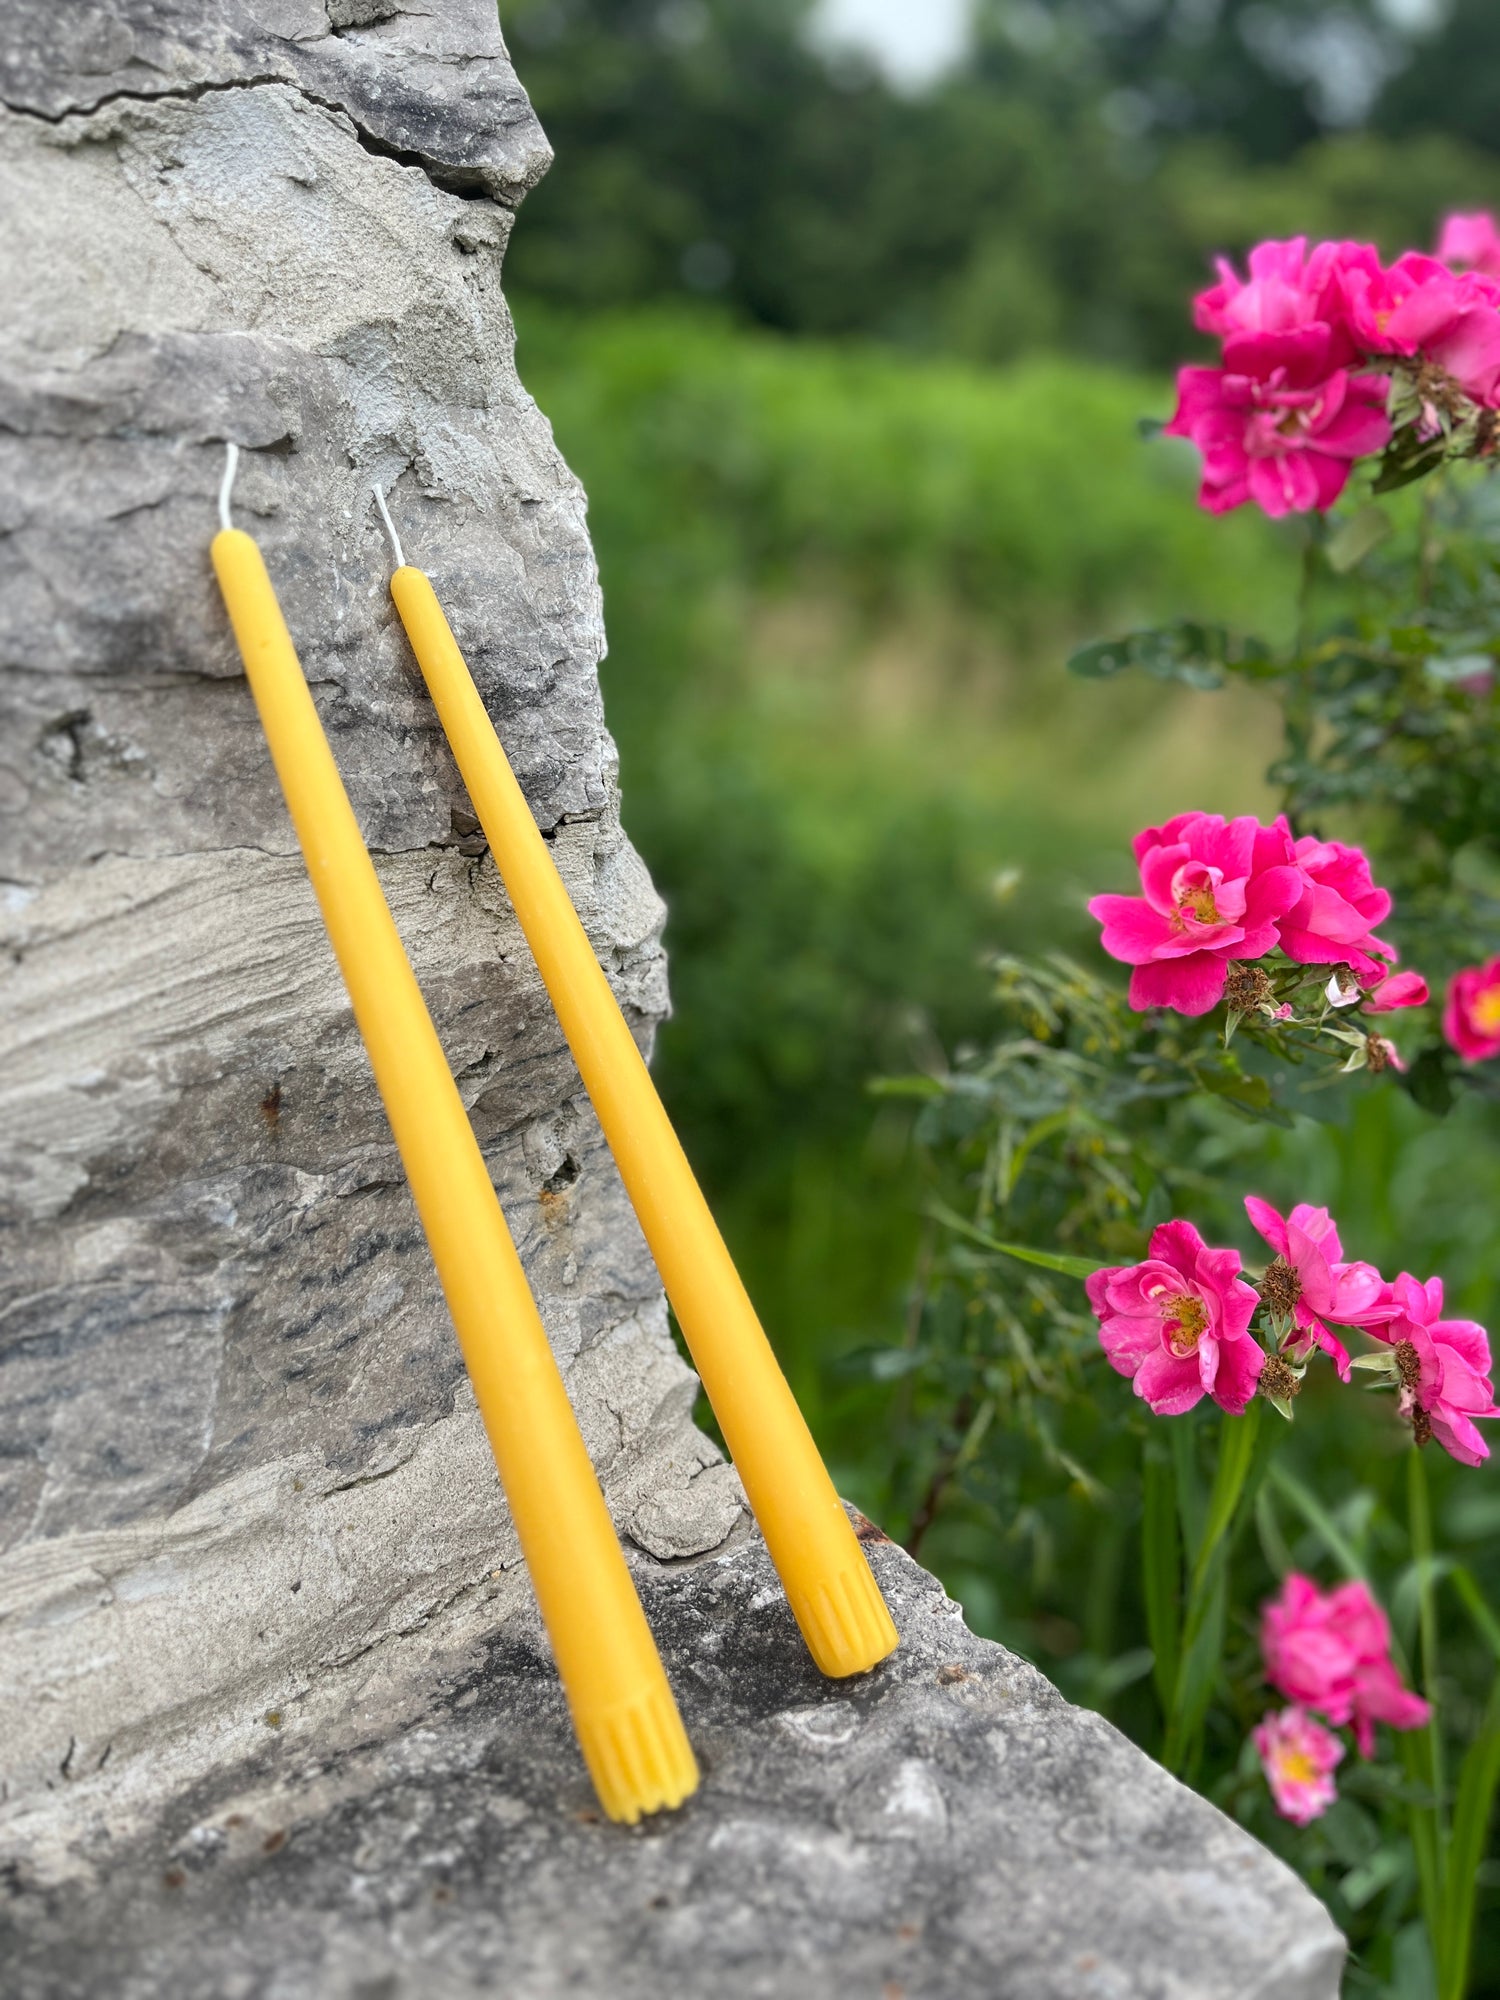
638, 1756
845, 1622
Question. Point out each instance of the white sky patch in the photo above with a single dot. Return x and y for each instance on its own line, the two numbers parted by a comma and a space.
912, 40
1409, 14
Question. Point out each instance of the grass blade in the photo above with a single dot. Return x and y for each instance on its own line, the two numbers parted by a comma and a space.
1434, 1876
1024, 1253
1320, 1521
1478, 1779
1422, 1823
1183, 1432
1202, 1653
1236, 1455
1161, 1570
1237, 1475
1485, 1622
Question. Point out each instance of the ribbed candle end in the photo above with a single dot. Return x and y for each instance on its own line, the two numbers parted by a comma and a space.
638, 1756
845, 1622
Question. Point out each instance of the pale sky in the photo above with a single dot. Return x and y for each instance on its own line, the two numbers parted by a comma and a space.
915, 40
912, 40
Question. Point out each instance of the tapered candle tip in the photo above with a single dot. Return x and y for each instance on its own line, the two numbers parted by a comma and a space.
226, 484
390, 528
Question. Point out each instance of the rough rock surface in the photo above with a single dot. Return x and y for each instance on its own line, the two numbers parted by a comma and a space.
276, 1716
945, 1826
236, 1440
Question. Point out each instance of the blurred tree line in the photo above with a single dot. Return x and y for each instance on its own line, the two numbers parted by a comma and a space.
1062, 189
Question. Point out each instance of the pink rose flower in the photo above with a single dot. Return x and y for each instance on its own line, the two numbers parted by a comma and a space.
1471, 1013
1419, 307
1285, 440
1214, 889
1471, 241
1298, 1757
1179, 1324
1330, 922
1397, 989
1289, 312
1444, 1366
1275, 297
1331, 1650
1307, 1279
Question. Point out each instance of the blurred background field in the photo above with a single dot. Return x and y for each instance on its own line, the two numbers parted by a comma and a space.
852, 367
840, 582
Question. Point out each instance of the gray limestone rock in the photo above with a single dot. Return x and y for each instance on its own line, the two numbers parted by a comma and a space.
426, 84
945, 1827
276, 1716
236, 1441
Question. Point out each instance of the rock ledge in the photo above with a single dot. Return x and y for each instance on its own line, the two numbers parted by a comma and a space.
947, 1825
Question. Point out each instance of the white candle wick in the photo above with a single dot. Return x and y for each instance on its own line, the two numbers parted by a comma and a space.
390, 527
226, 484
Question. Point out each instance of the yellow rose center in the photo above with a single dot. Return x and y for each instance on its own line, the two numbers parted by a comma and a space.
1486, 1010
1297, 1766
1201, 903
1184, 1320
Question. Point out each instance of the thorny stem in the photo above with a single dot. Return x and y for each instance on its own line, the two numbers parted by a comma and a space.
942, 1476
1305, 581
1297, 711
916, 1306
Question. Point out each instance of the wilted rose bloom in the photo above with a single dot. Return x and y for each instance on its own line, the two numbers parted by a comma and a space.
1397, 989
1330, 923
1299, 1757
1331, 1650
1471, 242
1444, 1365
1214, 889
1179, 1324
1418, 307
1471, 1014
1307, 1279
1285, 441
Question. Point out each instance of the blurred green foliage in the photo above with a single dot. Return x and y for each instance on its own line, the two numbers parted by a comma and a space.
839, 585
1065, 188
1078, 1126
800, 336
829, 576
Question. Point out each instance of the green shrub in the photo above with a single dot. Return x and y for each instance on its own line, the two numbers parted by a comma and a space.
780, 527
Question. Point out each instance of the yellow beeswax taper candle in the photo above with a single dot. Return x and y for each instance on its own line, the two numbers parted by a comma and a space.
627, 1722
828, 1582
